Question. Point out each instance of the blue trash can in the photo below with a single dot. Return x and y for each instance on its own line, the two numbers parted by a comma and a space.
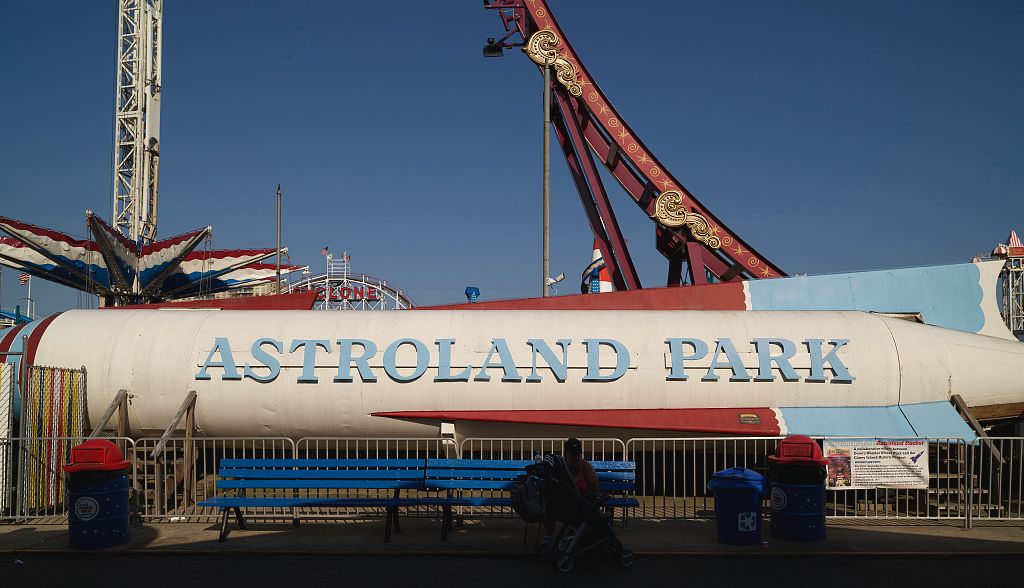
797, 476
97, 482
738, 494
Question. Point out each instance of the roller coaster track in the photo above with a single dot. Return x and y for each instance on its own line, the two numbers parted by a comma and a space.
588, 126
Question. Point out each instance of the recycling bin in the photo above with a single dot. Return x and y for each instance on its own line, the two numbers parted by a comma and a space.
796, 474
738, 494
97, 482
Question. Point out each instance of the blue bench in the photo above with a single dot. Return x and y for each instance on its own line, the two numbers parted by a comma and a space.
452, 476
292, 475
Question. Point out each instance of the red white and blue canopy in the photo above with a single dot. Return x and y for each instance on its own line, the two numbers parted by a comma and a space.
108, 264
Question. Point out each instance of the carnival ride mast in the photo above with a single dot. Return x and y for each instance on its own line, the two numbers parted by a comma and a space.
137, 119
587, 125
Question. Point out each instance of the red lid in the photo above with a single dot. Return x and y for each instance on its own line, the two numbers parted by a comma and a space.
96, 455
798, 450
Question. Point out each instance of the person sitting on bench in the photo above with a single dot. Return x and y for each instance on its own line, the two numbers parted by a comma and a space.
583, 476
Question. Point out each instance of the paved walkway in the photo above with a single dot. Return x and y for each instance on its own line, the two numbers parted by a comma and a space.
504, 537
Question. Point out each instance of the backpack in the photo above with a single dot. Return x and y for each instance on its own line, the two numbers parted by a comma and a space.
528, 498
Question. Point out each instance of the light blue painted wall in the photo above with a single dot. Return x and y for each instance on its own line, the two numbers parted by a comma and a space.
847, 421
928, 419
946, 295
937, 419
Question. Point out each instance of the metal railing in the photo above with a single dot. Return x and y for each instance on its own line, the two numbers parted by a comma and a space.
945, 496
969, 482
673, 476
527, 449
995, 480
508, 448
673, 473
362, 448
39, 490
170, 486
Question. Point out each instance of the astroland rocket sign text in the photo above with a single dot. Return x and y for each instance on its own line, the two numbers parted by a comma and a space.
353, 358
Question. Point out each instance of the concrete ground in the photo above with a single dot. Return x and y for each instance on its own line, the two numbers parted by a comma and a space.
503, 537
404, 571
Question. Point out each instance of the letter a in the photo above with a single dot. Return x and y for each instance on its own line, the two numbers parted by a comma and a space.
227, 361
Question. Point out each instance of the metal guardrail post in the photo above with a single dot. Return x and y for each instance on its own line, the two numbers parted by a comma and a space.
968, 520
190, 424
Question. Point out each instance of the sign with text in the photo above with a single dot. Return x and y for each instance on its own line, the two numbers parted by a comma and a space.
876, 463
446, 362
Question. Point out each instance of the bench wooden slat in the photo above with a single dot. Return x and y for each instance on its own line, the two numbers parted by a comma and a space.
321, 474
469, 484
280, 502
322, 463
479, 464
613, 466
483, 474
322, 484
602, 475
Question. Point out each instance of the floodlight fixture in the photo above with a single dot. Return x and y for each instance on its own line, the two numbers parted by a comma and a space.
556, 279
493, 49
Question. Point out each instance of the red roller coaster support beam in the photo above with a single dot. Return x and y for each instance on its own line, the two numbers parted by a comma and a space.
587, 200
623, 262
591, 123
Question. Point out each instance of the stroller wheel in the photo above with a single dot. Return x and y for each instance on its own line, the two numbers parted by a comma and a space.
565, 563
626, 558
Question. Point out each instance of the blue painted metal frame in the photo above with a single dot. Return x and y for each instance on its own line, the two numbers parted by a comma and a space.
448, 475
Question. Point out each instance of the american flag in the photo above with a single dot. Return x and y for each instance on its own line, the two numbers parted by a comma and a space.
1014, 240
323, 251
24, 277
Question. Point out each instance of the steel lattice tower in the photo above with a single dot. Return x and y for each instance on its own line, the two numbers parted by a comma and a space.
1013, 295
137, 118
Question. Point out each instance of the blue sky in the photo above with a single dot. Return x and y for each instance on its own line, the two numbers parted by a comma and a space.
831, 136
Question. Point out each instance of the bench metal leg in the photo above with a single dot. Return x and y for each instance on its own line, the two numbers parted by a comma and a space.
224, 525
394, 520
224, 528
446, 521
388, 517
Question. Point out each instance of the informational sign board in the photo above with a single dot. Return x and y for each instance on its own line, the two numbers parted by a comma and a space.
876, 463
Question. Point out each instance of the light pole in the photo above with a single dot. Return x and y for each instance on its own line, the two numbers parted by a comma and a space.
277, 271
547, 181
496, 49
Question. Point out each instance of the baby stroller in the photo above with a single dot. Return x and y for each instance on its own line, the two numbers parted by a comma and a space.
585, 529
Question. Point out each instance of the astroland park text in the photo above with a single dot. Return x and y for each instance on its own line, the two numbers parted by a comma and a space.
353, 359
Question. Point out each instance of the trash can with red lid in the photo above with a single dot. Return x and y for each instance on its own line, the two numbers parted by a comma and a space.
796, 474
97, 479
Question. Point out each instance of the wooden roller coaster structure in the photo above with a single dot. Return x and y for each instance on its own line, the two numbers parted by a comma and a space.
587, 126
